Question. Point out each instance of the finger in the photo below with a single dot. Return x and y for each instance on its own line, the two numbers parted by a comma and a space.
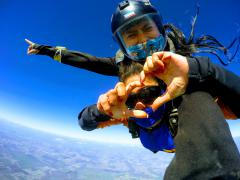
121, 90
29, 42
152, 64
133, 85
149, 63
159, 55
160, 68
161, 100
136, 113
112, 97
142, 77
157, 59
158, 64
99, 102
99, 107
166, 57
146, 68
104, 105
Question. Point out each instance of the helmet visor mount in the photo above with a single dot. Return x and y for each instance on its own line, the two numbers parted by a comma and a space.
142, 36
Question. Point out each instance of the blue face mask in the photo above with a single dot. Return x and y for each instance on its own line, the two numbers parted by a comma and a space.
159, 138
141, 51
154, 117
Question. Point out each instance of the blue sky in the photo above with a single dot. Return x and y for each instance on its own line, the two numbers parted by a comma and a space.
41, 93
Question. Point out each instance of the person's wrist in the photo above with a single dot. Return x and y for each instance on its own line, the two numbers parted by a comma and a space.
58, 54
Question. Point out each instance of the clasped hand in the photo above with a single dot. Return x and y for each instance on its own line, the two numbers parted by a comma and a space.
171, 68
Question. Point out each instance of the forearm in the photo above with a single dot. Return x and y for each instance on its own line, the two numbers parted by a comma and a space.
45, 50
206, 76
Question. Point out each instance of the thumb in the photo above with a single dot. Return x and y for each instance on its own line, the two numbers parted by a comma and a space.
161, 100
136, 113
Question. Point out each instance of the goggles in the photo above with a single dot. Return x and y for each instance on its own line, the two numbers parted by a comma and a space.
145, 95
147, 28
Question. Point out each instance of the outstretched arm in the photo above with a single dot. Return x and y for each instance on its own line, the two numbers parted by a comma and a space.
102, 65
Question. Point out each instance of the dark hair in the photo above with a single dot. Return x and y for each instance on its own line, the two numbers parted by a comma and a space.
128, 69
202, 44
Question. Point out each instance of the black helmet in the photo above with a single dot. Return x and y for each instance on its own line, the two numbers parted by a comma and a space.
130, 13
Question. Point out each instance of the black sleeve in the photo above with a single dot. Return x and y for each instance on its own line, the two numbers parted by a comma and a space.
102, 65
89, 117
45, 50
206, 76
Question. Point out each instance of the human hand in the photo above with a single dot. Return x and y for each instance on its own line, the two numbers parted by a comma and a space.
31, 50
172, 69
113, 102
